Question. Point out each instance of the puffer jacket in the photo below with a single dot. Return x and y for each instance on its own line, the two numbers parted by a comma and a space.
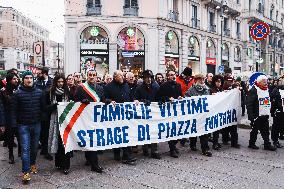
196, 91
28, 104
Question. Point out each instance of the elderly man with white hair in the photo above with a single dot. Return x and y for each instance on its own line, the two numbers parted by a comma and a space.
258, 108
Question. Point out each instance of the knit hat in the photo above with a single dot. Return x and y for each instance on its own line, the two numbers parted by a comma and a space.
25, 73
239, 79
187, 71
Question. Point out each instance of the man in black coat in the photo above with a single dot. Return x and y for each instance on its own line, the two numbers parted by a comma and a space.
146, 93
168, 92
83, 95
277, 97
43, 83
258, 108
2, 115
28, 103
118, 91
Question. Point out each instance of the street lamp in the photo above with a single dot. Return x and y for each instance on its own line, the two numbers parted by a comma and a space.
223, 9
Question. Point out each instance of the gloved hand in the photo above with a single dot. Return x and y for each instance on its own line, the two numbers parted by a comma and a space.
147, 102
85, 101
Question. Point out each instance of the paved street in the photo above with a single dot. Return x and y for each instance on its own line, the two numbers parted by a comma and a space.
228, 168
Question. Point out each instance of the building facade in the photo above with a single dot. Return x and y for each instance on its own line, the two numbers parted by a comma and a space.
133, 35
55, 61
17, 36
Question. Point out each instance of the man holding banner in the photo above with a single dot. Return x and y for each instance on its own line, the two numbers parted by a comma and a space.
199, 89
88, 92
169, 91
118, 91
258, 108
146, 93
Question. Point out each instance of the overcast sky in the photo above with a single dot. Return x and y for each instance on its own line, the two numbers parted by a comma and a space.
47, 13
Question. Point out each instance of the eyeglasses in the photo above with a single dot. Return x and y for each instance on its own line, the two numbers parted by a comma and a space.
77, 75
92, 75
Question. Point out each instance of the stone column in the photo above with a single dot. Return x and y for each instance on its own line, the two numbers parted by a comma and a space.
152, 50
184, 49
112, 57
72, 49
161, 48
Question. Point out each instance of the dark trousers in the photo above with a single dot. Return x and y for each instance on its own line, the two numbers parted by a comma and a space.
233, 131
92, 157
44, 137
172, 145
126, 151
10, 133
153, 147
260, 124
216, 137
62, 160
277, 126
203, 142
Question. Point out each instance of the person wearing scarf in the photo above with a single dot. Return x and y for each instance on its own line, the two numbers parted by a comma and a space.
58, 93
258, 108
199, 89
277, 102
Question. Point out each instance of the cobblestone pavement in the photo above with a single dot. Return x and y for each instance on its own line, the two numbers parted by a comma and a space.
228, 168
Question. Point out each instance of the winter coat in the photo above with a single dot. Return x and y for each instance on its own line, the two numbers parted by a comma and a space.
7, 102
81, 94
42, 86
194, 91
51, 106
117, 92
276, 100
185, 85
252, 104
167, 90
215, 90
146, 94
28, 104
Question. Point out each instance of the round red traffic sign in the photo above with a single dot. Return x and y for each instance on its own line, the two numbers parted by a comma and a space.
259, 31
37, 49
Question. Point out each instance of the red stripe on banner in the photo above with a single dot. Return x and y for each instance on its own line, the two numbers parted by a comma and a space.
89, 93
72, 122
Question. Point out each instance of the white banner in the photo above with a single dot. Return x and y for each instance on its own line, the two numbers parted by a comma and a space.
97, 126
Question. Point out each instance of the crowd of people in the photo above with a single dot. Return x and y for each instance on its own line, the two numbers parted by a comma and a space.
28, 111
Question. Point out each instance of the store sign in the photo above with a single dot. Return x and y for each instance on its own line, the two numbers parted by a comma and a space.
194, 58
93, 52
131, 54
211, 61
171, 55
39, 52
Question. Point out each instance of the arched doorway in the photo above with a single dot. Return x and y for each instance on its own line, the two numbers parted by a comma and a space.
194, 54
211, 56
172, 51
94, 50
131, 50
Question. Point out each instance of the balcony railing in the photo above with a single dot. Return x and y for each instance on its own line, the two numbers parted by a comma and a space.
173, 15
212, 28
195, 23
131, 11
94, 10
227, 32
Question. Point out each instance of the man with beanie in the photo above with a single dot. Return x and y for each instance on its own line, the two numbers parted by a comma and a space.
185, 80
258, 108
199, 89
28, 104
146, 93
277, 99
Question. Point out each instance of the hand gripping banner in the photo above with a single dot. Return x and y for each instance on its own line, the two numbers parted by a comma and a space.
98, 126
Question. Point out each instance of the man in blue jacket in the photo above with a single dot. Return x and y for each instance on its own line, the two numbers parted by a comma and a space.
27, 107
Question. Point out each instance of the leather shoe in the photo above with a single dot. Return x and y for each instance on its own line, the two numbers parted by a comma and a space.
97, 168
173, 154
270, 148
66, 171
193, 148
281, 137
128, 162
156, 156
277, 144
207, 153
236, 146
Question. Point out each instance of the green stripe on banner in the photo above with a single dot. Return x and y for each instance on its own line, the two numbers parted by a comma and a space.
65, 112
